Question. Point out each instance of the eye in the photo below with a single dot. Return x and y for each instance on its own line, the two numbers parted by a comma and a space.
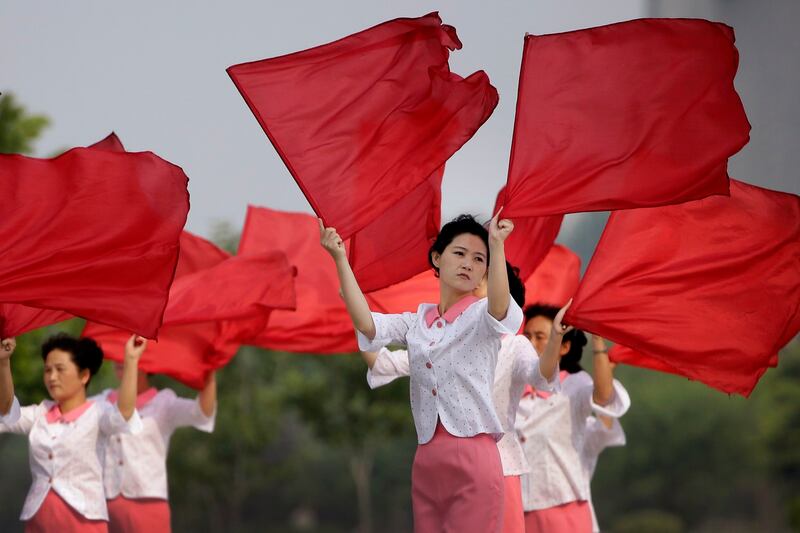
479, 259
458, 252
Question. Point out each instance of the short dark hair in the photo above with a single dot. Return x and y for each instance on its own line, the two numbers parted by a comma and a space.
458, 226
577, 338
515, 285
84, 352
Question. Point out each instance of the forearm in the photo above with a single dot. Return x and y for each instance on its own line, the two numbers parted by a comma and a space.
208, 396
369, 358
548, 361
498, 293
127, 388
6, 387
603, 379
354, 300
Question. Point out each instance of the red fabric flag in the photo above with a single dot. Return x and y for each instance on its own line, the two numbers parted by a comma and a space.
708, 288
636, 114
364, 122
94, 234
214, 299
16, 319
320, 324
531, 240
407, 295
556, 279
395, 246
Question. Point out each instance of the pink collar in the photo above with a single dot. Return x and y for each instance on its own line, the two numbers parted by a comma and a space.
542, 394
54, 414
141, 400
451, 314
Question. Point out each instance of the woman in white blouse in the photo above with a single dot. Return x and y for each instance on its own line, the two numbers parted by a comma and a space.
135, 466
517, 366
552, 428
67, 433
457, 477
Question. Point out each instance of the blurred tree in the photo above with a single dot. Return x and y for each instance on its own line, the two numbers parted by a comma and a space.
18, 128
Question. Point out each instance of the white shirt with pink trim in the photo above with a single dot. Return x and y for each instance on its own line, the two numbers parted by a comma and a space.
517, 366
553, 434
452, 363
136, 465
65, 455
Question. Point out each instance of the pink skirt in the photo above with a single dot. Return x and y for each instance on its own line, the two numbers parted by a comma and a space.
572, 517
56, 515
457, 485
150, 515
513, 515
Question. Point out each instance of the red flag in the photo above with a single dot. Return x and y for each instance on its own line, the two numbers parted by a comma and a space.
320, 323
93, 233
395, 246
407, 295
709, 288
16, 319
365, 121
636, 114
215, 297
555, 280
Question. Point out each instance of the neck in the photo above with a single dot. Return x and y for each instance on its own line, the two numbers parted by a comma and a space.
448, 296
73, 402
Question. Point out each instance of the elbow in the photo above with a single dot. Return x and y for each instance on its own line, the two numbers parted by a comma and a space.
602, 397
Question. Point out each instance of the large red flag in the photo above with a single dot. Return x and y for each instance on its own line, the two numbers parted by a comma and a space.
556, 279
366, 120
635, 114
213, 299
320, 323
406, 295
16, 319
94, 233
710, 288
395, 246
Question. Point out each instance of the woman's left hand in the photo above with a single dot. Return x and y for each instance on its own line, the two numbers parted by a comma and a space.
135, 347
500, 229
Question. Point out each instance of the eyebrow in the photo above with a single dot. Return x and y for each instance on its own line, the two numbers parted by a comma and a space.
464, 249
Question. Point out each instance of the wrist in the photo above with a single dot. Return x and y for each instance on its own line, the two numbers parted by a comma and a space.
600, 351
5, 362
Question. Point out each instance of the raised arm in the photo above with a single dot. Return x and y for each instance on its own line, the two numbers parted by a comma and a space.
498, 292
134, 349
7, 347
208, 396
603, 372
354, 299
548, 361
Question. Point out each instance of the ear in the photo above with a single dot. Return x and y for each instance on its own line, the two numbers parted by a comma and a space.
436, 258
84, 376
565, 346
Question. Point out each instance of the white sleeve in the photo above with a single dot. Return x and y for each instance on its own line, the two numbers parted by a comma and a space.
509, 325
20, 419
526, 366
388, 366
112, 421
599, 437
389, 329
178, 412
619, 404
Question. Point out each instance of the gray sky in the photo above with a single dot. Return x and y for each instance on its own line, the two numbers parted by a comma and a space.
154, 72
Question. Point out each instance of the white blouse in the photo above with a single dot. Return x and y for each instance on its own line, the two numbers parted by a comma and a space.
136, 465
598, 438
452, 363
553, 434
65, 456
517, 366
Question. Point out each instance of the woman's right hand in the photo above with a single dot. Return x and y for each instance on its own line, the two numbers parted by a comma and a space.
560, 329
331, 241
134, 348
7, 347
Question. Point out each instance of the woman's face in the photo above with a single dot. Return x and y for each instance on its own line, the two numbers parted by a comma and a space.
62, 377
537, 329
463, 263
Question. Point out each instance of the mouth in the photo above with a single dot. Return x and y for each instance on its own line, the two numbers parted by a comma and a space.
463, 276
